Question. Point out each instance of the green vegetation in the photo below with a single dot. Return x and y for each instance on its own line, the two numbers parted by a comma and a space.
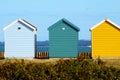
69, 69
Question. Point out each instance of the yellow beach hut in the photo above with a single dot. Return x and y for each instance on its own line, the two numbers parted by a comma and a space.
105, 40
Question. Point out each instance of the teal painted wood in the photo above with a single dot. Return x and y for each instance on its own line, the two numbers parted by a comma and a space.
63, 39
19, 41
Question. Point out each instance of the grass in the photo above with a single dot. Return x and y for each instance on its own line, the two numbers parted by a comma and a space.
112, 62
108, 62
57, 69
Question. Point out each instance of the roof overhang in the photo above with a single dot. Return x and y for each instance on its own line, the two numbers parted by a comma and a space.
66, 22
23, 22
105, 20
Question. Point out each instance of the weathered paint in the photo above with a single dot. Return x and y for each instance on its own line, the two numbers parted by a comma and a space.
19, 42
63, 39
106, 40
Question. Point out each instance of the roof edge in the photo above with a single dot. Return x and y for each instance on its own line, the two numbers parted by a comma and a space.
109, 21
50, 27
67, 22
71, 24
28, 24
22, 21
96, 25
9, 25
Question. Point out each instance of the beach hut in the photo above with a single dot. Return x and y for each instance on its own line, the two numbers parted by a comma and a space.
20, 37
105, 39
63, 39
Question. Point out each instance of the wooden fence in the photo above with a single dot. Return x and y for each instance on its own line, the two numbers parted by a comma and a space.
84, 55
41, 55
45, 55
2, 55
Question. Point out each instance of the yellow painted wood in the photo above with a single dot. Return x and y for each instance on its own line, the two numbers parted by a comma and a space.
105, 40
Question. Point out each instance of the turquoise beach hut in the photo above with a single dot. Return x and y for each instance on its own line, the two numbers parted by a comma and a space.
63, 39
20, 38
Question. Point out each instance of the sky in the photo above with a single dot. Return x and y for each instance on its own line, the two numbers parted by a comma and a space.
44, 13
